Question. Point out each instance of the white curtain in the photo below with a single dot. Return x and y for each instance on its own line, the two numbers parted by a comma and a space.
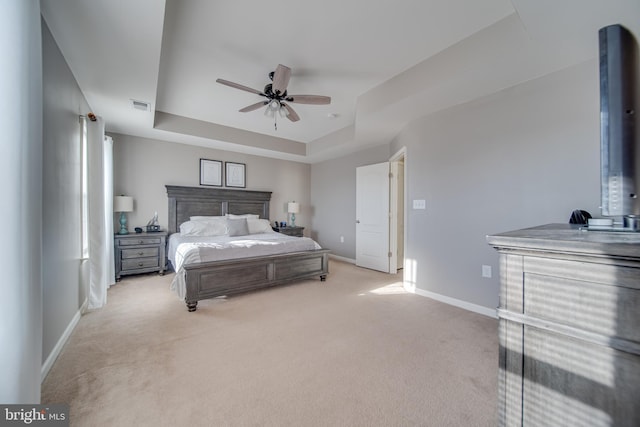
108, 209
100, 213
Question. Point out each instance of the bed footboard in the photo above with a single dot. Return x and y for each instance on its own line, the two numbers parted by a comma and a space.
230, 277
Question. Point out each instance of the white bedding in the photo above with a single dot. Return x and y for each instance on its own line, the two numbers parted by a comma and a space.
185, 250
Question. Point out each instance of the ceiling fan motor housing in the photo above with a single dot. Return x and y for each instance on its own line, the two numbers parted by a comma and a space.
269, 93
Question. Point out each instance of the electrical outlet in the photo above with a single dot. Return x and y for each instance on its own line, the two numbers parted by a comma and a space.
341, 239
486, 271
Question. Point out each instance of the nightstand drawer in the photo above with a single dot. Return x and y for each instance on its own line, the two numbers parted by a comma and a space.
139, 253
134, 264
139, 241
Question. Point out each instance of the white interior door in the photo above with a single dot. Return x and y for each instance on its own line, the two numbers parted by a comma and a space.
372, 216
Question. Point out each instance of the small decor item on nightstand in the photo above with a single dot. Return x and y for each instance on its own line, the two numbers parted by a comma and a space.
123, 204
153, 224
293, 208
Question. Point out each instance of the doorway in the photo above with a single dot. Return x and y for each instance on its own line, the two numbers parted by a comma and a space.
397, 210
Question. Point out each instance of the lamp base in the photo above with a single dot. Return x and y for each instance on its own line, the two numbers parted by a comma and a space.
123, 224
293, 220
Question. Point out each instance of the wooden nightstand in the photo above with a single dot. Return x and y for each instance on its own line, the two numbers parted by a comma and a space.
290, 231
137, 253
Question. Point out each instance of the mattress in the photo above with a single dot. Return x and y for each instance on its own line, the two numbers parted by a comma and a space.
187, 250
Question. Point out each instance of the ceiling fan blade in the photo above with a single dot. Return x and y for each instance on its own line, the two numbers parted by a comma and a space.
309, 99
293, 116
254, 106
281, 79
239, 86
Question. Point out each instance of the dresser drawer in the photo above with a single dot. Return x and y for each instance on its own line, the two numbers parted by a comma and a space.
140, 241
134, 264
139, 253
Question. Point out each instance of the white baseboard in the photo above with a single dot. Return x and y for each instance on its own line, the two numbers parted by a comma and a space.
456, 302
46, 366
343, 259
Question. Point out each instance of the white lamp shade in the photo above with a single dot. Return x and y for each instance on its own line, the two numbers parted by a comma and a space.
123, 204
293, 207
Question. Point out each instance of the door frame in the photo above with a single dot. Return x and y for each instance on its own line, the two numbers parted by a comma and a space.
401, 154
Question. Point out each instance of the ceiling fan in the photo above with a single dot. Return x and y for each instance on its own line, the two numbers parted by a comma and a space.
277, 99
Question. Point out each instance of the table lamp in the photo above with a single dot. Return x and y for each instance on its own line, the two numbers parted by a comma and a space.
123, 204
293, 208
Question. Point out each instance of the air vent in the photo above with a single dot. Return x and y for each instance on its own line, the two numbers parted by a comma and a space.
141, 105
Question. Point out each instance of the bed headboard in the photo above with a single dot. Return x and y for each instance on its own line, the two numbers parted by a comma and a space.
185, 202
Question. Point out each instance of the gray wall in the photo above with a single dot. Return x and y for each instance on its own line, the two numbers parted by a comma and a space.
333, 193
63, 291
21, 213
142, 168
525, 156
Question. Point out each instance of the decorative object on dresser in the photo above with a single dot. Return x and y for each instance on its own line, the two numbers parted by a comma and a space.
290, 231
153, 225
123, 204
226, 277
235, 174
293, 208
140, 253
568, 327
211, 172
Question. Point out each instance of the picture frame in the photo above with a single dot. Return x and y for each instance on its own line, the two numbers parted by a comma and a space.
235, 174
211, 172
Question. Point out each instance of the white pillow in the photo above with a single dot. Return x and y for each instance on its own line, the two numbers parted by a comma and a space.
237, 227
203, 228
243, 216
257, 226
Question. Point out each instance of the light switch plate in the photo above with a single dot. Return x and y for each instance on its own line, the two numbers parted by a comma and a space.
486, 271
419, 204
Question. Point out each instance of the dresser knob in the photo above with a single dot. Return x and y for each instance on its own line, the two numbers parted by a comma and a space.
140, 253
140, 264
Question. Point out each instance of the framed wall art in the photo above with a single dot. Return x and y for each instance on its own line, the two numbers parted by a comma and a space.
235, 174
211, 172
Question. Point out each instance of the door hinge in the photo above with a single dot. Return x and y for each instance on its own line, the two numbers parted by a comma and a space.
389, 254
390, 175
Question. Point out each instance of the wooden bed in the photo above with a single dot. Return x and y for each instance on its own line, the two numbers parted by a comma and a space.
229, 277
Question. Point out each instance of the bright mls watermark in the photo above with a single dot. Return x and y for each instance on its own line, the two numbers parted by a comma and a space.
34, 415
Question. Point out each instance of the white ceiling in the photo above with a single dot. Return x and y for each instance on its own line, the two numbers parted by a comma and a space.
384, 63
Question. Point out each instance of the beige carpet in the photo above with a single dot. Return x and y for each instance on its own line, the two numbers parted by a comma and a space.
352, 351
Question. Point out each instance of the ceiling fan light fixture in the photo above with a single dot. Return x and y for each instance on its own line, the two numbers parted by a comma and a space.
274, 105
269, 112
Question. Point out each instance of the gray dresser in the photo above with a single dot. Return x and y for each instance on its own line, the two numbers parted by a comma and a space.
137, 253
569, 319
